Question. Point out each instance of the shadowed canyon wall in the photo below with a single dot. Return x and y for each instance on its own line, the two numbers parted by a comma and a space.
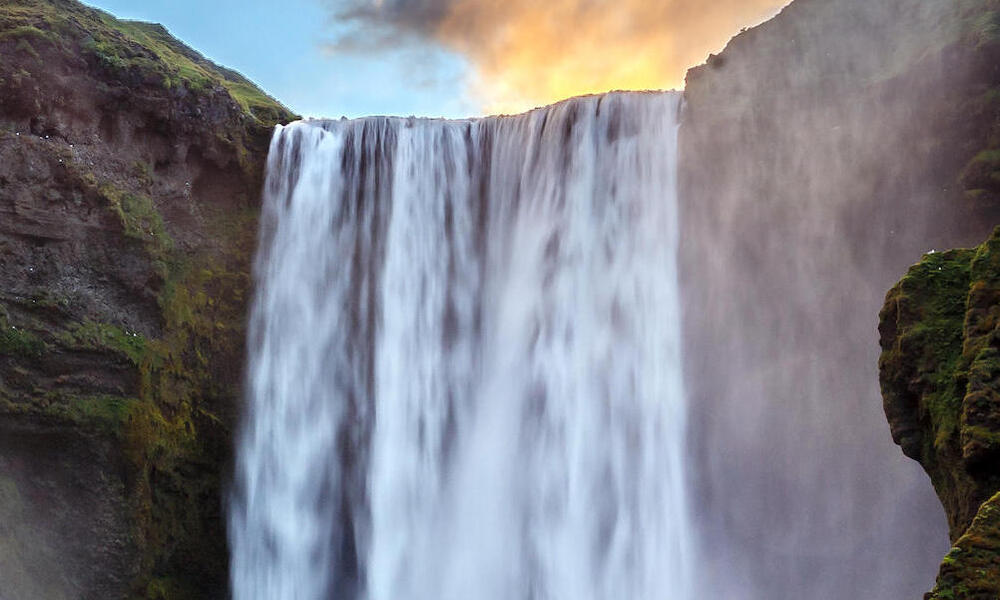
822, 153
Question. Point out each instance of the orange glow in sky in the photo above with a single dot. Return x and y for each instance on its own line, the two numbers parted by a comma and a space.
527, 53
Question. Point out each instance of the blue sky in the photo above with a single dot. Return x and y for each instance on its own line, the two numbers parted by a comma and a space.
280, 46
449, 58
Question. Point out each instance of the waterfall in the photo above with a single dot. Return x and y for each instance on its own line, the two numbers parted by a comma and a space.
464, 375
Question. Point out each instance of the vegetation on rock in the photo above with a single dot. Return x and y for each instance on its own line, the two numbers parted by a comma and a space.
970, 571
130, 169
940, 376
129, 51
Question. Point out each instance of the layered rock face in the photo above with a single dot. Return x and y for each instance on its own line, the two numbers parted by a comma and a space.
130, 169
940, 375
821, 152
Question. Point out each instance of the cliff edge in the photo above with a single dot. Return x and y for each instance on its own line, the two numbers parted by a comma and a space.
940, 377
130, 170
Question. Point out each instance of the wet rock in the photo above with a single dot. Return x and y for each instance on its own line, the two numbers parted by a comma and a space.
940, 377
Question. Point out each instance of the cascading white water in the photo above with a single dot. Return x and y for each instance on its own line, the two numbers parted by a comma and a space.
465, 377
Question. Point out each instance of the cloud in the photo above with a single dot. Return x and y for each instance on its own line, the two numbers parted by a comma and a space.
530, 52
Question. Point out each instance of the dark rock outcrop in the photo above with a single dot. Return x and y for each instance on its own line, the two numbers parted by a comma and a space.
940, 376
970, 570
130, 170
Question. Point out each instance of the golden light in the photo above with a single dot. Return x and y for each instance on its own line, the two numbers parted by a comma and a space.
528, 53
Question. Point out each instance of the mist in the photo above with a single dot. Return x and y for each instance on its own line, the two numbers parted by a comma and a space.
817, 160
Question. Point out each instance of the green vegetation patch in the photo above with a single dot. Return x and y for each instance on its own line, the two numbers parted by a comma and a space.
167, 426
140, 219
29, 32
971, 569
940, 373
926, 353
18, 342
150, 49
92, 335
132, 51
101, 413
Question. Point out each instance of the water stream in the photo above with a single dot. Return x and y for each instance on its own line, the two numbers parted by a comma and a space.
465, 365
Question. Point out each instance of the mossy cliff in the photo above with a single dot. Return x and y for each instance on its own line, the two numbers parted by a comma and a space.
130, 170
940, 377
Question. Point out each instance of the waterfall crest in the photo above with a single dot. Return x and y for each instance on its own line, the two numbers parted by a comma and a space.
464, 361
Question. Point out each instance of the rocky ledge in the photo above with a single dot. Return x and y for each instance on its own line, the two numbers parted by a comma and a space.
940, 377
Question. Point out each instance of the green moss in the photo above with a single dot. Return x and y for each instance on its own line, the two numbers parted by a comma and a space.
256, 103
112, 411
106, 53
18, 342
171, 423
971, 570
202, 302
28, 32
940, 376
92, 335
164, 430
143, 172
102, 413
149, 49
983, 434
140, 219
930, 300
134, 51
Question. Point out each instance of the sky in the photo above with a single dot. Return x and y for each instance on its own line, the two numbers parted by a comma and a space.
449, 58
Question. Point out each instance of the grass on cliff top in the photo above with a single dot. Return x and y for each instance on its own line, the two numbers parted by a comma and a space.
145, 49
188, 67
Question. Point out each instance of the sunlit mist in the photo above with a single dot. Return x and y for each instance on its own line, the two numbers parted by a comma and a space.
526, 53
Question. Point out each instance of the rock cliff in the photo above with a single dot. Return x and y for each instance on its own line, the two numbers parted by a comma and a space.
940, 376
130, 169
